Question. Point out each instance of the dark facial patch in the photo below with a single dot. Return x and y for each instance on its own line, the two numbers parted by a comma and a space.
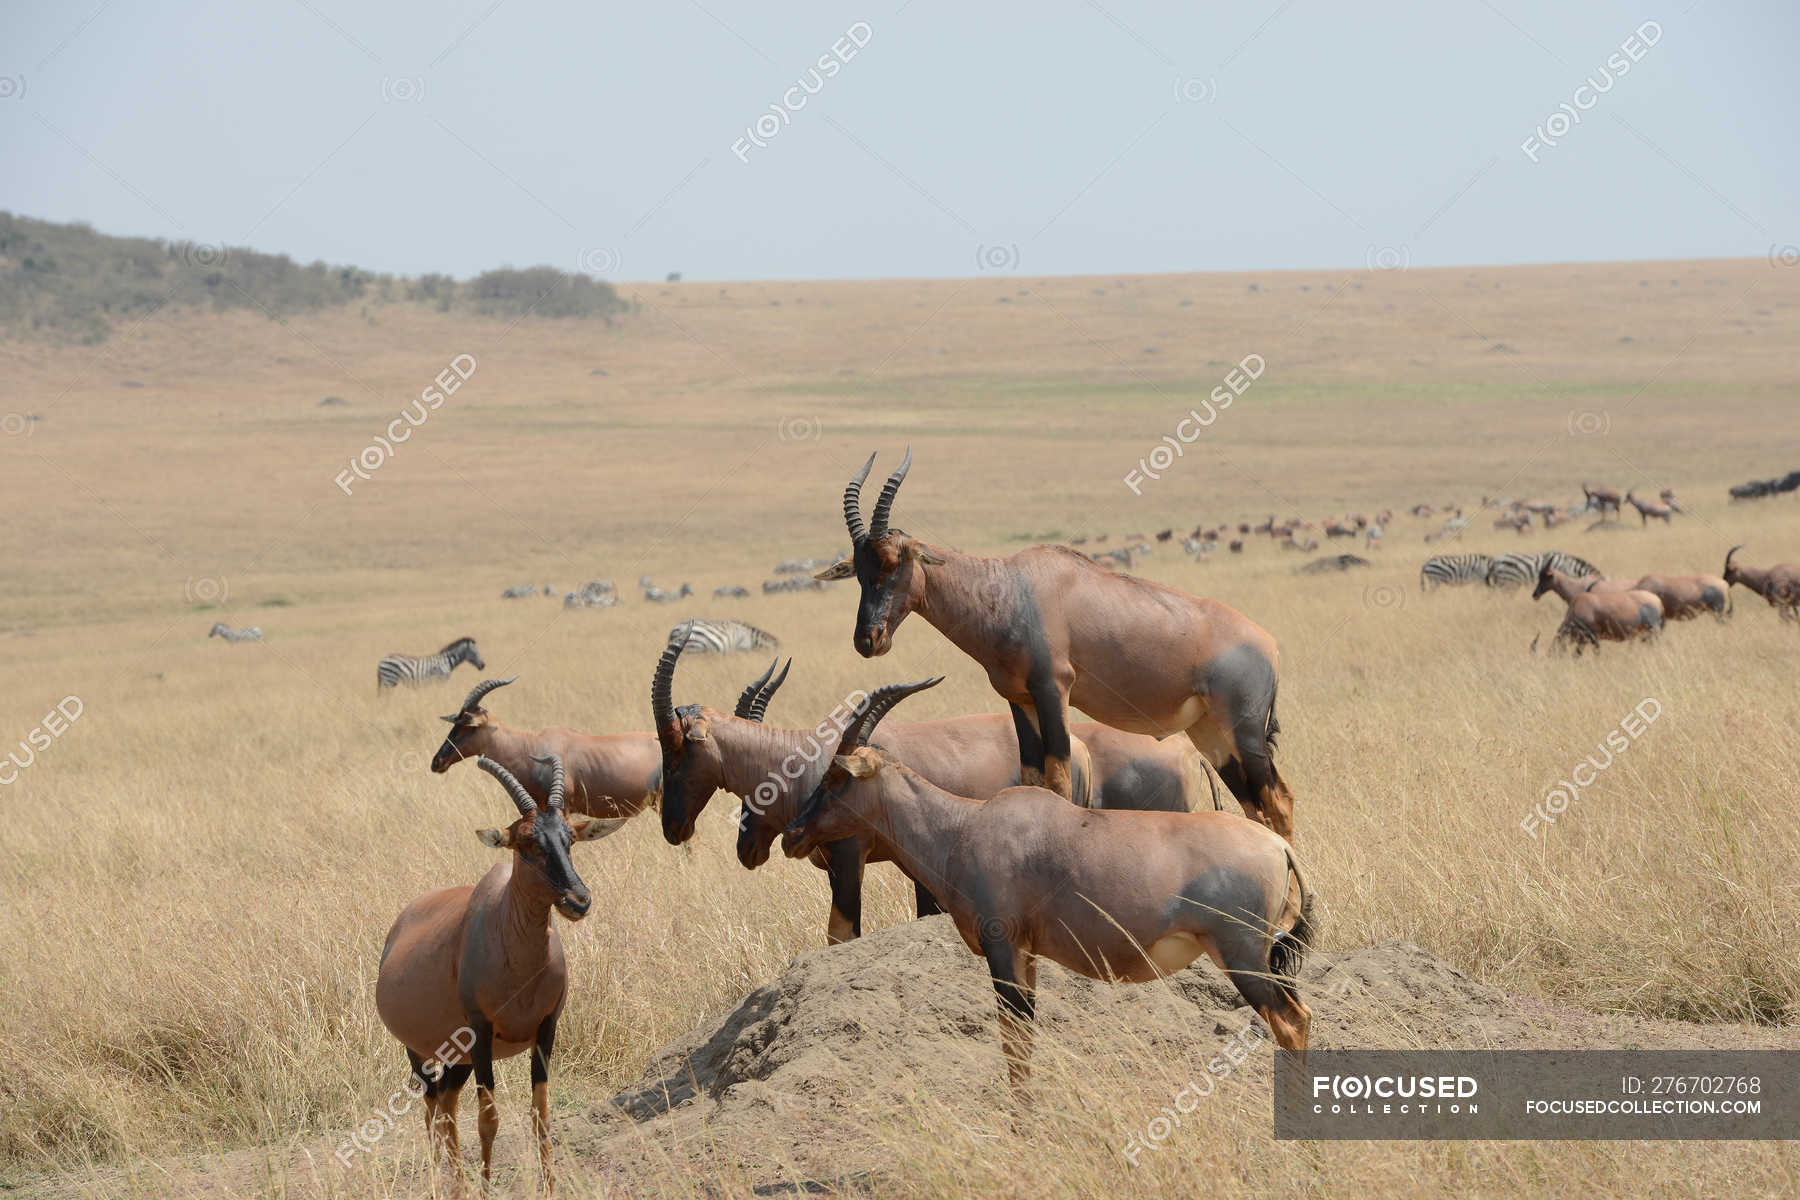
544, 842
682, 802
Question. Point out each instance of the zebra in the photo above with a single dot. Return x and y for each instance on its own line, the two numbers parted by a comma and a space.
396, 669
1453, 569
730, 593
796, 566
519, 593
1516, 570
726, 637
222, 630
597, 593
656, 595
794, 583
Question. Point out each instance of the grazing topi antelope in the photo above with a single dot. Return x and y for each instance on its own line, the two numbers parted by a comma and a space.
1124, 896
610, 774
1650, 508
1054, 629
488, 960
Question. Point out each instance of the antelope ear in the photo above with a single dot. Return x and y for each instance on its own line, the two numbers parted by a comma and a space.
453, 718
499, 839
927, 557
859, 766
594, 830
697, 732
843, 568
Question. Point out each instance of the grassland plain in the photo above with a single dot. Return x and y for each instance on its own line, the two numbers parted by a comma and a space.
197, 875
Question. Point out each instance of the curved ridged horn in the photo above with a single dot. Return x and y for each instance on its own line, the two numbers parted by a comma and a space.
555, 763
662, 702
520, 797
761, 704
868, 716
478, 693
1728, 555
878, 522
750, 693
853, 503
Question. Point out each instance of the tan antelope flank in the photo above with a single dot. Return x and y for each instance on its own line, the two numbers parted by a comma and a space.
487, 959
1685, 597
1779, 585
771, 770
1053, 629
1650, 508
1118, 896
610, 774
1594, 617
1603, 498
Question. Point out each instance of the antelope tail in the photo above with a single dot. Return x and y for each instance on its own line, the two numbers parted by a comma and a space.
1287, 953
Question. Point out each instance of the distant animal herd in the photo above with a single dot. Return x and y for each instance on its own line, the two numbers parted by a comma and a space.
1105, 846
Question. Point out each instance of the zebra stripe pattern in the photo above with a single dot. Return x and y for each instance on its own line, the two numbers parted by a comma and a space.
221, 630
726, 637
396, 669
1453, 569
1516, 570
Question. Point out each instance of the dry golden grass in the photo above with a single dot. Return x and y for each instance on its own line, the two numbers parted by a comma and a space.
199, 873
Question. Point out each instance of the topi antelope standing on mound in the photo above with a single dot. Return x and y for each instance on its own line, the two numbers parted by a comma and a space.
481, 969
771, 770
609, 774
1124, 896
1054, 629
1779, 585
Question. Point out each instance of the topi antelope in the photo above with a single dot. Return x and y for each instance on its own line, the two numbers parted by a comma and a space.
771, 770
487, 961
1600, 499
1570, 586
1593, 617
1053, 629
1779, 585
1687, 596
1650, 508
1118, 896
610, 774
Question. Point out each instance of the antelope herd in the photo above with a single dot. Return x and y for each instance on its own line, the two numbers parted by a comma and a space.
1103, 846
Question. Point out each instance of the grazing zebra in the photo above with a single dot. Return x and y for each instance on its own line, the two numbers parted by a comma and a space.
656, 595
1516, 570
794, 583
519, 593
1453, 569
221, 630
396, 669
730, 593
597, 593
797, 566
726, 637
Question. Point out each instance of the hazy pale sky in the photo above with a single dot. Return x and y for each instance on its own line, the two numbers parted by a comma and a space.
1053, 138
